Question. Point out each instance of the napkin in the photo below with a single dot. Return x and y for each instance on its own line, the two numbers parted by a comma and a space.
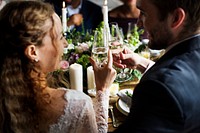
126, 99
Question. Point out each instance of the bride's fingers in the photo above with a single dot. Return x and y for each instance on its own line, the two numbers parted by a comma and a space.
110, 59
94, 64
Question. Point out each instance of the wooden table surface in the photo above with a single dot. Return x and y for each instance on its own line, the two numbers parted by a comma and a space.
118, 116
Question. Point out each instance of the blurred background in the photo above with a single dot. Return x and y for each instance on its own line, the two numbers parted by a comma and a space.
111, 3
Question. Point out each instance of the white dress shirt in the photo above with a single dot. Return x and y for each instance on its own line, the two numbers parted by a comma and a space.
2, 4
71, 11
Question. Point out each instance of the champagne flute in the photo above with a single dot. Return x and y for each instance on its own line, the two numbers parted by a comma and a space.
130, 28
99, 49
116, 46
99, 53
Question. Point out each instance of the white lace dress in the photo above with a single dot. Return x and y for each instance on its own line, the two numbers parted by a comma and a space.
81, 115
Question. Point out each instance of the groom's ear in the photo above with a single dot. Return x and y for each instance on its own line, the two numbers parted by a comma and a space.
178, 17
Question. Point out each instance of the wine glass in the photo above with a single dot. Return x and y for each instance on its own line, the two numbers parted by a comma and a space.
99, 48
116, 46
130, 28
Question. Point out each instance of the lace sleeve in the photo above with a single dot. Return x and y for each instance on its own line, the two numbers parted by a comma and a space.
101, 102
79, 114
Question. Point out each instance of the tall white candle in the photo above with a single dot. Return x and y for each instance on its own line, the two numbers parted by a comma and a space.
105, 12
76, 76
105, 20
90, 78
64, 18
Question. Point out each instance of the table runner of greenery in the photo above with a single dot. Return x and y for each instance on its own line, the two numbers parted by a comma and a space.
80, 45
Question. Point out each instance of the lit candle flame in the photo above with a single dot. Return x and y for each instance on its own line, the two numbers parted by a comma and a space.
105, 2
63, 4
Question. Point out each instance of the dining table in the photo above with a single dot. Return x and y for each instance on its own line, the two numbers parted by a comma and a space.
116, 116
119, 115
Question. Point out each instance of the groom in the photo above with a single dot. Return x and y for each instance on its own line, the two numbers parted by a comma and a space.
167, 98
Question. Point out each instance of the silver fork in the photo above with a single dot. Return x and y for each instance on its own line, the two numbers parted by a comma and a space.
114, 122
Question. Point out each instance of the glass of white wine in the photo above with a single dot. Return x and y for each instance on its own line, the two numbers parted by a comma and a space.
99, 48
116, 46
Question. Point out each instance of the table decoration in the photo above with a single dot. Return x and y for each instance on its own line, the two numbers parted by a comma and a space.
76, 76
105, 22
64, 17
79, 50
90, 78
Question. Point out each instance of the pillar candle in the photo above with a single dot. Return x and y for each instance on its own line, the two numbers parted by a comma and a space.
76, 76
90, 78
114, 88
105, 12
64, 18
105, 20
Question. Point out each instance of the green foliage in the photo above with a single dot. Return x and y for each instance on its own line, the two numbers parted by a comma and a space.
75, 37
128, 94
140, 48
136, 74
134, 37
84, 61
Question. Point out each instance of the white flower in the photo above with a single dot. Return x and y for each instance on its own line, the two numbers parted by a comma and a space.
70, 46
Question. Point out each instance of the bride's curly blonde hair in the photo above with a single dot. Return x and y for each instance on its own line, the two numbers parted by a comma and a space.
21, 24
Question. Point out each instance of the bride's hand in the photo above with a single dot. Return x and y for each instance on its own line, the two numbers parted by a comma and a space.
104, 76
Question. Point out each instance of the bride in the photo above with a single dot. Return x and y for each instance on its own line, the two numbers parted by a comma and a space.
31, 46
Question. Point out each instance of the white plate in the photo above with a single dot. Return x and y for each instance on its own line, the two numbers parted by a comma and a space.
122, 106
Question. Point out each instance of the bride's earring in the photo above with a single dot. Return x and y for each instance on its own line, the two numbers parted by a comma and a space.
36, 60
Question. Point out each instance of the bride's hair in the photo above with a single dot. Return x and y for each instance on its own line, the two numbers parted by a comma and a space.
21, 84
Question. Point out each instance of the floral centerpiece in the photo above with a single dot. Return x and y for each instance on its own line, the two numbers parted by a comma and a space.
80, 46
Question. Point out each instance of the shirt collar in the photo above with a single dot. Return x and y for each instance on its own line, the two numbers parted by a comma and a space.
2, 4
72, 10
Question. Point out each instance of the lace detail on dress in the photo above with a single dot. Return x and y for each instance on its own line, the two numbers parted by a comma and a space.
79, 114
101, 103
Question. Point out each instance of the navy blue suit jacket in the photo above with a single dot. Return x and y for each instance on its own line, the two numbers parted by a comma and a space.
92, 16
167, 99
